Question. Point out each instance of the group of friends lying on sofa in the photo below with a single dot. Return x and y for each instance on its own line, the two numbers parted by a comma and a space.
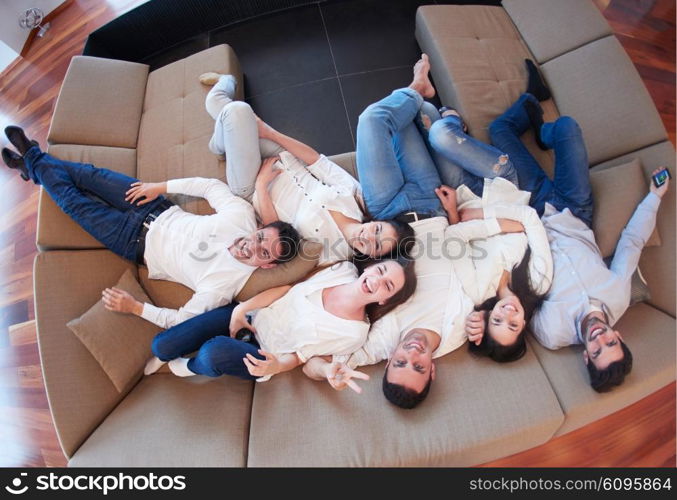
443, 239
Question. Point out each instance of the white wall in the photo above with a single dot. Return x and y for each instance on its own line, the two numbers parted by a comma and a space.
7, 55
10, 32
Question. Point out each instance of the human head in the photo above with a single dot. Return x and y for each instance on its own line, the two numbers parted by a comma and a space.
411, 370
268, 246
506, 318
606, 356
378, 238
385, 284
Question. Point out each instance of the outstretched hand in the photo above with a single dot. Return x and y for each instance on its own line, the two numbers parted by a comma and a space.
659, 191
447, 197
341, 376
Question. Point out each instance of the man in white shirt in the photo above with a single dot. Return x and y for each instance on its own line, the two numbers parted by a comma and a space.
586, 298
429, 325
214, 255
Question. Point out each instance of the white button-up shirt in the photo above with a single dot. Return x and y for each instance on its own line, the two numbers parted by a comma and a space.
304, 195
439, 303
193, 249
480, 269
581, 277
296, 323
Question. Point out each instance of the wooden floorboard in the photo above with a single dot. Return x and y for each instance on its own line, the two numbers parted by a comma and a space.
640, 435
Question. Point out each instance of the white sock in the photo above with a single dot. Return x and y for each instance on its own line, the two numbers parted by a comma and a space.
179, 367
153, 365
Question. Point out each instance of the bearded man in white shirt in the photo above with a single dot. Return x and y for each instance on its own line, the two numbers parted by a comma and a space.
214, 255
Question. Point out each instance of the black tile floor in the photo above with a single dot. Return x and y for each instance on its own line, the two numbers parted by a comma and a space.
311, 70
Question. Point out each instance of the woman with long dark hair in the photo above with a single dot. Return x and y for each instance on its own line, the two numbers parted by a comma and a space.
328, 313
295, 183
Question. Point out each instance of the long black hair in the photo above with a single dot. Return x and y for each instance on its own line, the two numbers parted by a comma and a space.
520, 285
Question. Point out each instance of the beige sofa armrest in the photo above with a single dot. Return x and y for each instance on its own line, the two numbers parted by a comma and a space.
100, 103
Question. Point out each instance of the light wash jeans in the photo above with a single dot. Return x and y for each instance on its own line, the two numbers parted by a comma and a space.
236, 136
394, 165
460, 158
570, 187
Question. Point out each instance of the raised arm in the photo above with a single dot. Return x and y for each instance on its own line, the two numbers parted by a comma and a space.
637, 232
266, 175
238, 318
337, 374
302, 151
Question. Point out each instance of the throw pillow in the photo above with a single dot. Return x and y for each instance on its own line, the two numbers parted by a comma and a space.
119, 342
617, 191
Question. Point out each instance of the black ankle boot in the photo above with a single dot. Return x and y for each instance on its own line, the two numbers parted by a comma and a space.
19, 140
535, 85
16, 162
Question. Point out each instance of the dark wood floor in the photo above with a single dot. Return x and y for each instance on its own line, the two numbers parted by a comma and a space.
640, 435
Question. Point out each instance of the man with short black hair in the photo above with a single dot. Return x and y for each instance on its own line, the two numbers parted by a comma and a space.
214, 255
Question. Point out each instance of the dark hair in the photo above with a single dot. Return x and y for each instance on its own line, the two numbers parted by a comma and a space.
376, 311
402, 396
289, 238
405, 239
492, 349
520, 284
612, 375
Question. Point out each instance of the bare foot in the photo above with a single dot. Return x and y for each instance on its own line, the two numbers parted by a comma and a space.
421, 83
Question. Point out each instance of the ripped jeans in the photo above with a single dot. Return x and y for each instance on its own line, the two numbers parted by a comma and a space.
462, 159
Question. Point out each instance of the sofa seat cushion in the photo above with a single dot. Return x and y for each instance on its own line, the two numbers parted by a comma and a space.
56, 230
657, 263
100, 103
175, 126
598, 85
552, 27
66, 284
649, 334
477, 62
169, 421
477, 410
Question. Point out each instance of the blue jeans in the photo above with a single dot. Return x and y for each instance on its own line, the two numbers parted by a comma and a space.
94, 198
570, 187
218, 354
395, 169
462, 159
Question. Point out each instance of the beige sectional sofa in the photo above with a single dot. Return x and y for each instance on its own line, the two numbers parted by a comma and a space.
154, 126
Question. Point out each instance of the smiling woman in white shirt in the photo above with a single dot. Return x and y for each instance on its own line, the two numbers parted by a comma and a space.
304, 188
329, 313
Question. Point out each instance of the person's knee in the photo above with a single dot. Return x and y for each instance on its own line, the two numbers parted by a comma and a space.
163, 348
215, 356
236, 110
503, 167
372, 114
566, 126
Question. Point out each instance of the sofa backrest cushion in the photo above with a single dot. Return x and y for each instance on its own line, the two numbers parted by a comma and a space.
552, 27
100, 103
616, 192
598, 85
